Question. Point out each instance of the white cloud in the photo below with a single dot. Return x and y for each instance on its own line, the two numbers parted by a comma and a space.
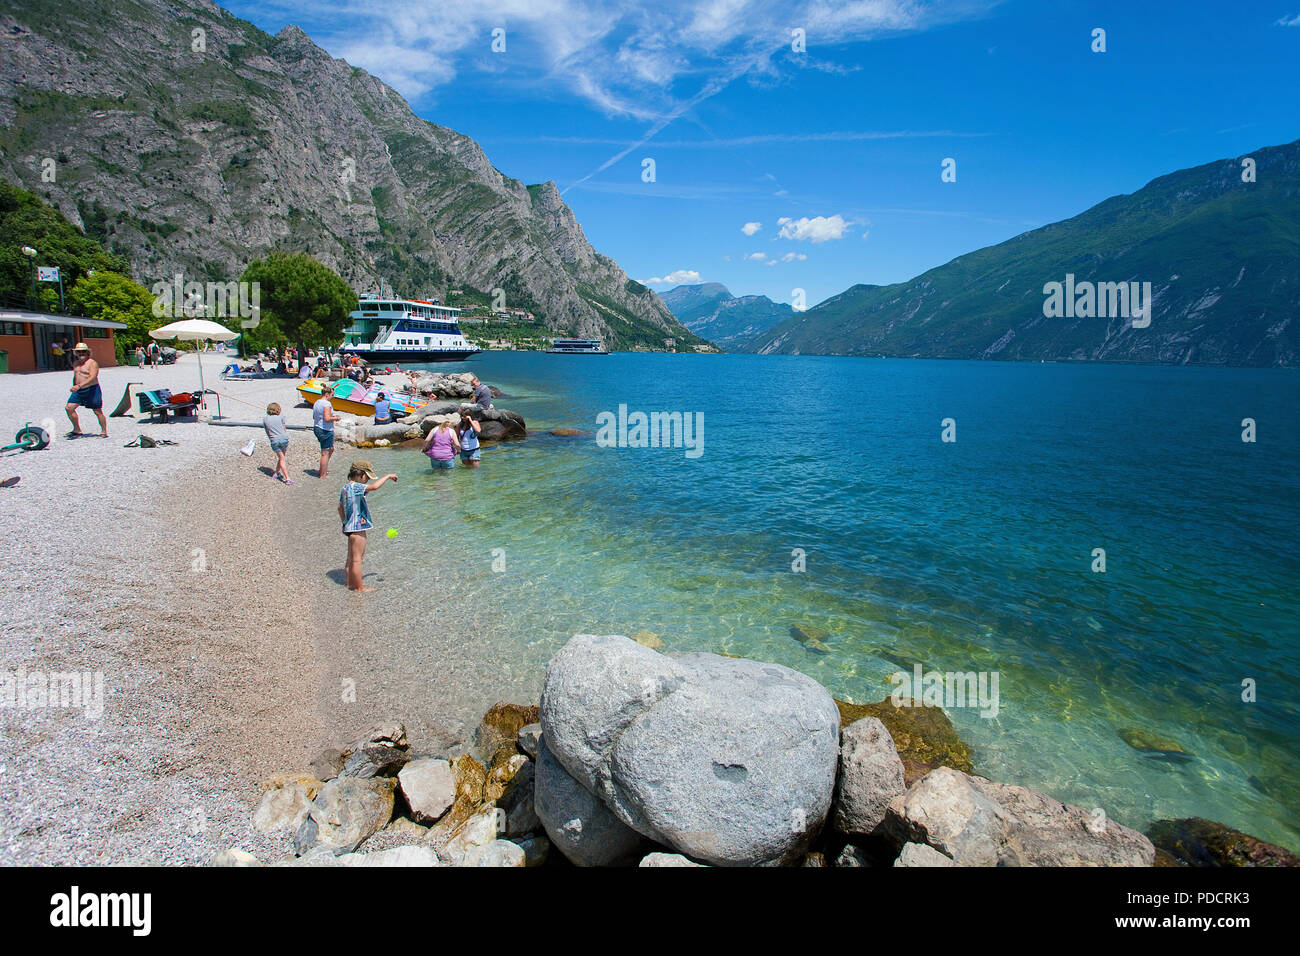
756, 256
815, 230
680, 277
616, 54
750, 228
1289, 21
793, 257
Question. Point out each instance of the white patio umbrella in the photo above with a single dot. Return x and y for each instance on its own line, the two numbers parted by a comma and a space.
196, 330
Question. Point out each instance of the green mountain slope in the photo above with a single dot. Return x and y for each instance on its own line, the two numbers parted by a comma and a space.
710, 310
197, 157
1222, 257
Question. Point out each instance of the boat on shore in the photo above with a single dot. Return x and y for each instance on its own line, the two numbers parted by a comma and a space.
355, 399
405, 330
577, 347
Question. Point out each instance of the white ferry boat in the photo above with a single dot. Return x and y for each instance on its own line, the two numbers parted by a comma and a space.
577, 347
405, 330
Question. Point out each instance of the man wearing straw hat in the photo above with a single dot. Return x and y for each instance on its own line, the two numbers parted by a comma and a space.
85, 391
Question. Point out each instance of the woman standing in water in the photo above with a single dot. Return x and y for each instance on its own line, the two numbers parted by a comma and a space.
441, 445
468, 432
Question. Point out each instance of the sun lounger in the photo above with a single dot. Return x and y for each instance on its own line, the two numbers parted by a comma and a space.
157, 404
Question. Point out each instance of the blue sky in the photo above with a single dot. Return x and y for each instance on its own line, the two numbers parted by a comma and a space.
835, 152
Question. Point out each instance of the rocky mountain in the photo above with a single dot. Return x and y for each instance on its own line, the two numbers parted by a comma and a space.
1221, 254
191, 141
710, 311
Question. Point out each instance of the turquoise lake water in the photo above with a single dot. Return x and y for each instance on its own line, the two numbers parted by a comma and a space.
973, 555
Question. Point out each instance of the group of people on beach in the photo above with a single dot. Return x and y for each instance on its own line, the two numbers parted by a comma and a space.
446, 441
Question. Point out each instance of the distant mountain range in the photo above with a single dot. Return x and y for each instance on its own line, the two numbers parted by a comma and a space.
710, 311
1222, 257
190, 141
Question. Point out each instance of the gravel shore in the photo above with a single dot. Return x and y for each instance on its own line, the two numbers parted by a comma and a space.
177, 574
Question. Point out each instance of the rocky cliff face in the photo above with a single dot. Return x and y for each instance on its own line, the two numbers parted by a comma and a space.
198, 151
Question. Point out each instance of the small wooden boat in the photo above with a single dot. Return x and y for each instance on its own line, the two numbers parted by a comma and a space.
355, 399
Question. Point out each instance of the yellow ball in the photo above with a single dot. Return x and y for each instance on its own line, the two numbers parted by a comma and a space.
392, 532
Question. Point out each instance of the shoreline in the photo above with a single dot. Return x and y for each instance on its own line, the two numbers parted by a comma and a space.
221, 679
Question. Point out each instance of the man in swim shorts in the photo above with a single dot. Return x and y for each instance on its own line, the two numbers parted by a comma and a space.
85, 391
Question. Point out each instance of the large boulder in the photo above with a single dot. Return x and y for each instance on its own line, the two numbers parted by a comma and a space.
728, 761
495, 424
345, 813
871, 776
578, 823
976, 822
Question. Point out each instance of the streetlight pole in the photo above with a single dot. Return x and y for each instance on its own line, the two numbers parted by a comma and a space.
30, 253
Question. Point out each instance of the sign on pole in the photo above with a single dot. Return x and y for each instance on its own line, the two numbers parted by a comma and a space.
47, 273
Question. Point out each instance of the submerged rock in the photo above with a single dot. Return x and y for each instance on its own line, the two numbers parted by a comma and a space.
923, 736
1154, 745
1194, 841
648, 639
327, 764
730, 762
813, 638
497, 733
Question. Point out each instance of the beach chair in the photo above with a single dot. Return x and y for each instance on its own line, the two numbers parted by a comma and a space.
157, 403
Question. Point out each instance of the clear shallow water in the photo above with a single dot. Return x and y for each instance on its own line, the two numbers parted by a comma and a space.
966, 556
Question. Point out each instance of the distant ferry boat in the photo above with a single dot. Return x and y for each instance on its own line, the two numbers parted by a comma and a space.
405, 330
577, 347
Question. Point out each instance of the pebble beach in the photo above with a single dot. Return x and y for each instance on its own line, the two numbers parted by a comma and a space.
178, 574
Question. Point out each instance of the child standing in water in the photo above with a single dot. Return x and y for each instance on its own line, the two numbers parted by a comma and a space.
354, 512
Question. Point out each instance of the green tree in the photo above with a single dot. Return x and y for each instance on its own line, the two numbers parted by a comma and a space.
301, 298
26, 220
115, 298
